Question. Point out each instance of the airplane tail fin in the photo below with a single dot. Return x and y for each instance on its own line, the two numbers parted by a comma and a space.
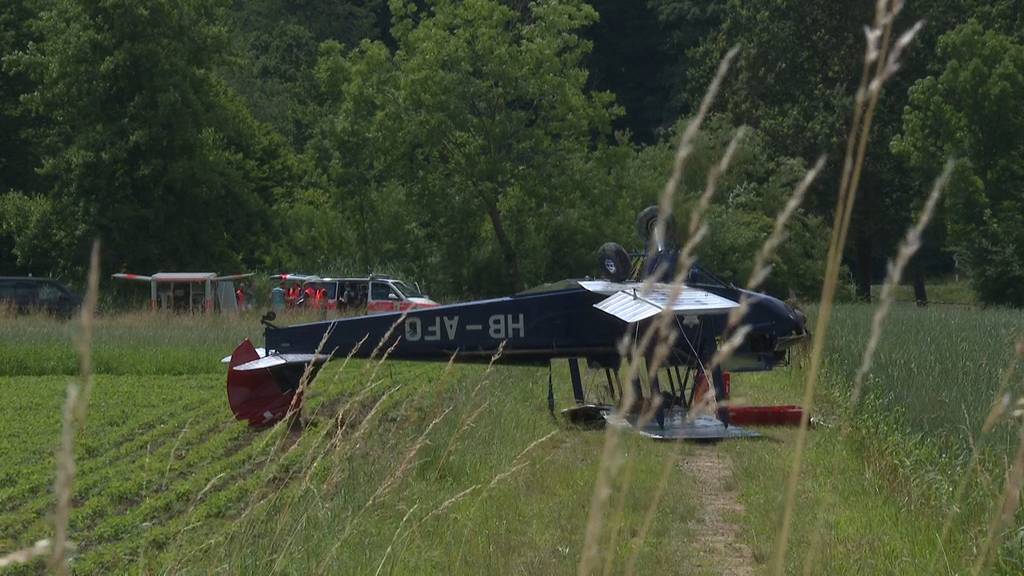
259, 393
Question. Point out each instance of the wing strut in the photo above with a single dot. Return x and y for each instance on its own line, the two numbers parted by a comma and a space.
577, 383
551, 393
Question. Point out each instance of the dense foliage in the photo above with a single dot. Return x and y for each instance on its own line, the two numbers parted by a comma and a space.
972, 110
483, 145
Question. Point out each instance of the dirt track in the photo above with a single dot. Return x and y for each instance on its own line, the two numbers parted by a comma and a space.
717, 540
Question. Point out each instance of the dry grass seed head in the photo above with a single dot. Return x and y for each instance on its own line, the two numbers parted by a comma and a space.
75, 409
686, 143
864, 108
610, 457
906, 251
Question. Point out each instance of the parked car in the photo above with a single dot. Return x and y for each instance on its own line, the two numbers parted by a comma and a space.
27, 294
375, 294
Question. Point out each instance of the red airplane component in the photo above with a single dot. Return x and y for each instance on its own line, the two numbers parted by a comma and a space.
254, 395
576, 320
785, 415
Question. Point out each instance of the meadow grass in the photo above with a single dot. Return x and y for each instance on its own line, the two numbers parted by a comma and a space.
938, 374
129, 343
166, 480
947, 291
877, 500
468, 509
432, 478
864, 527
938, 366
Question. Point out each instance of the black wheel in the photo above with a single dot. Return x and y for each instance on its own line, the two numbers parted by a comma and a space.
614, 262
647, 220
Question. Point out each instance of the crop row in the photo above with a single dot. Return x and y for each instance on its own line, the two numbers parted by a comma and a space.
104, 448
140, 472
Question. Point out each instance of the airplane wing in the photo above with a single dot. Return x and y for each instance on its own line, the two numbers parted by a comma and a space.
136, 277
275, 360
633, 303
295, 277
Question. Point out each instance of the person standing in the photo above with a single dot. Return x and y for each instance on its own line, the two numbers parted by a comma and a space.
277, 298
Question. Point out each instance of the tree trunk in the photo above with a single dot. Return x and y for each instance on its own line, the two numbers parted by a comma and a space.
920, 293
864, 264
508, 252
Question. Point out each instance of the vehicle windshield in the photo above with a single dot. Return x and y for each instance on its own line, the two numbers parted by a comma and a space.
406, 290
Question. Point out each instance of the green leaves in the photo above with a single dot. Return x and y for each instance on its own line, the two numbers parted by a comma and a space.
141, 141
476, 121
971, 111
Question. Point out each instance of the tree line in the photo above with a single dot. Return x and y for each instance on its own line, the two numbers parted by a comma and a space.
482, 146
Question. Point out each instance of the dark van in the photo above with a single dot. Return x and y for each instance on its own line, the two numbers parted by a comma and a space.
26, 294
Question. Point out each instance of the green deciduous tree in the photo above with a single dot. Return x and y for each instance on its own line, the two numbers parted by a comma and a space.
274, 54
748, 198
794, 81
144, 146
479, 126
972, 111
17, 155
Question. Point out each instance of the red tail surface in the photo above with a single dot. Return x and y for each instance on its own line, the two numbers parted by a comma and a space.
253, 394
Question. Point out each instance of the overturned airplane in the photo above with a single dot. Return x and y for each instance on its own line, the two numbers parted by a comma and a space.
573, 320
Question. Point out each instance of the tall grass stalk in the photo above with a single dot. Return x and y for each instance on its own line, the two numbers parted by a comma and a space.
660, 331
759, 273
389, 482
25, 555
467, 421
685, 147
407, 462
518, 463
611, 457
1006, 507
884, 63
724, 352
910, 245
638, 541
308, 374
661, 327
1000, 405
280, 430
75, 409
394, 539
617, 517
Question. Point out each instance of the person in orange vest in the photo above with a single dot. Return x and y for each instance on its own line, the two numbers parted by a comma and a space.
240, 298
309, 296
321, 298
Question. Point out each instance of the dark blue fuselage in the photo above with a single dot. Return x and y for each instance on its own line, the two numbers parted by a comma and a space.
534, 327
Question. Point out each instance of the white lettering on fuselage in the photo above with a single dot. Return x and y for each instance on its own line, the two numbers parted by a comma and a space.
499, 327
505, 327
413, 329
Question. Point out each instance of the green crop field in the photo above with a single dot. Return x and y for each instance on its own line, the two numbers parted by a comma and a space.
406, 468
440, 469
